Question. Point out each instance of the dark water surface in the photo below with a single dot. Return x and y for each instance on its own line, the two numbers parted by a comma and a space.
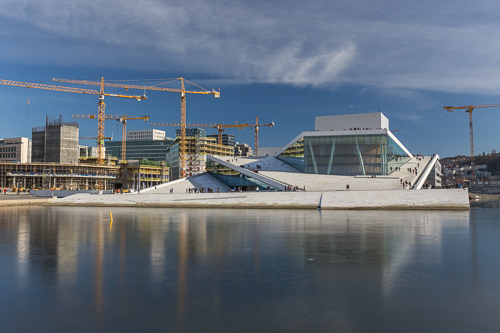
209, 270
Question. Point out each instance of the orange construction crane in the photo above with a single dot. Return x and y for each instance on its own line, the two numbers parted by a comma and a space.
101, 105
182, 91
221, 128
256, 129
469, 109
122, 119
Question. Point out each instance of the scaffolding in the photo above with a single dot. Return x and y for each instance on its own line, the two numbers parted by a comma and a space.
56, 176
198, 148
139, 174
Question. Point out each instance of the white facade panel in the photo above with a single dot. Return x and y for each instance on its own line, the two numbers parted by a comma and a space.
346, 122
268, 151
146, 135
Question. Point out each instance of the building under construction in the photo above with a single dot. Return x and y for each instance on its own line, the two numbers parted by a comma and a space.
139, 174
56, 142
57, 176
197, 148
130, 175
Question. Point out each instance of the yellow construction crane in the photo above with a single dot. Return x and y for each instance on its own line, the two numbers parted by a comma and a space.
256, 129
100, 104
221, 128
123, 120
469, 109
182, 91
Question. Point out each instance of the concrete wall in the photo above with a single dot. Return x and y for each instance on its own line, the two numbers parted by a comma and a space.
69, 144
410, 199
374, 120
37, 146
451, 199
65, 193
61, 144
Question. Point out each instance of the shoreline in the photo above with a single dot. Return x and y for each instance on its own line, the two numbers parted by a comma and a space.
448, 199
24, 200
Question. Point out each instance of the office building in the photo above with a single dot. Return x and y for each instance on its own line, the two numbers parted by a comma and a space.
15, 150
146, 135
227, 139
153, 150
192, 132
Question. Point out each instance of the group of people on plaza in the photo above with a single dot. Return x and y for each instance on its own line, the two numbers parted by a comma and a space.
201, 190
292, 188
405, 183
413, 171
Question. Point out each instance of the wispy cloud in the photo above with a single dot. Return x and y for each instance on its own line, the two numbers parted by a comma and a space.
400, 45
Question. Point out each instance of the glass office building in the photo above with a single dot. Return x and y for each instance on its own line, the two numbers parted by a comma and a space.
154, 150
346, 153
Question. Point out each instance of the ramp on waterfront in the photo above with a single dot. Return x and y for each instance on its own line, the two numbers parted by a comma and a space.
179, 186
273, 168
448, 199
279, 184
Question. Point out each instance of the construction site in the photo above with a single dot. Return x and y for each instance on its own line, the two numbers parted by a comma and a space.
20, 176
57, 163
128, 175
197, 149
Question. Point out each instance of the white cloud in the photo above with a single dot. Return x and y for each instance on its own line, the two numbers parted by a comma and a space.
392, 45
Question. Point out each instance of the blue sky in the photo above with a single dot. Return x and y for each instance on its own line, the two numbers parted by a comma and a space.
286, 61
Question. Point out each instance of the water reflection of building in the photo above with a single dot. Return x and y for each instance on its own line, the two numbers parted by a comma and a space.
208, 260
23, 251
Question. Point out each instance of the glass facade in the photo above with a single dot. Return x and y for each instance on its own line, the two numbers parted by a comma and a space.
172, 157
347, 155
154, 150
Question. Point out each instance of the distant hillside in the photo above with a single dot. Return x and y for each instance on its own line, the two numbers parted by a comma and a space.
492, 162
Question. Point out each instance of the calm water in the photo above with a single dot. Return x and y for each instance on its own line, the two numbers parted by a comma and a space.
208, 270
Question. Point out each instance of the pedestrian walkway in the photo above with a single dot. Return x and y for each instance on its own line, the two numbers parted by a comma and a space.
276, 173
271, 163
202, 180
417, 162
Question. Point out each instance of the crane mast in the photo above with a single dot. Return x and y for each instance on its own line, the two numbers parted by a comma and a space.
182, 91
182, 143
256, 128
469, 109
221, 128
100, 105
123, 120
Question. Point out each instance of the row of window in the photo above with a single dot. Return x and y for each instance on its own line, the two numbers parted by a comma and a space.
8, 155
489, 182
8, 149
